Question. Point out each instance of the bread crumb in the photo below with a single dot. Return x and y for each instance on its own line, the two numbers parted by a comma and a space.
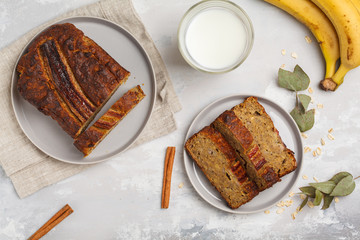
294, 55
304, 135
280, 210
322, 141
282, 66
310, 90
302, 196
320, 106
310, 204
267, 212
314, 153
330, 130
336, 199
305, 177
318, 151
307, 149
291, 194
331, 137
315, 179
181, 185
283, 52
293, 215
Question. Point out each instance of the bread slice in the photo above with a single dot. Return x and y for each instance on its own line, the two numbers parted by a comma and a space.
262, 128
218, 161
67, 76
87, 141
239, 137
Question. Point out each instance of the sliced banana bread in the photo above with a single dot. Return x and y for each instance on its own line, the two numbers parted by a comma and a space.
239, 137
218, 161
262, 128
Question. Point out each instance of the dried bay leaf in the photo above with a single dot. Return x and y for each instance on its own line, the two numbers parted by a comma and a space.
337, 177
308, 191
318, 197
305, 121
325, 187
327, 201
344, 187
297, 80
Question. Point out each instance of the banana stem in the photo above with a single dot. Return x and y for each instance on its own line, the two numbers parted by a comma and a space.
335, 81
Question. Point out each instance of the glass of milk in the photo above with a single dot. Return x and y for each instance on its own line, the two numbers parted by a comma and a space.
215, 36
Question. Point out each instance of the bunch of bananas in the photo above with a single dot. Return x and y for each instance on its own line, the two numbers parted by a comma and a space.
336, 26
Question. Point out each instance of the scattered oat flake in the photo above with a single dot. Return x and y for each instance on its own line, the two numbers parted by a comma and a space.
314, 153
282, 66
304, 135
307, 149
315, 179
280, 210
267, 212
320, 105
310, 204
294, 55
288, 203
283, 52
302, 196
310, 90
181, 185
305, 177
298, 209
291, 194
322, 141
318, 151
331, 137
308, 39
293, 215
336, 199
330, 130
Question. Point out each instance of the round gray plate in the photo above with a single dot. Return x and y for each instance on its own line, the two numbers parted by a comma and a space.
289, 134
48, 136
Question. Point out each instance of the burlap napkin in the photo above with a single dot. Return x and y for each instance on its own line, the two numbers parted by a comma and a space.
29, 168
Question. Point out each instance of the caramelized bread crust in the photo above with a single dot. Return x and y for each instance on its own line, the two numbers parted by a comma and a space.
89, 139
239, 137
218, 161
67, 76
262, 128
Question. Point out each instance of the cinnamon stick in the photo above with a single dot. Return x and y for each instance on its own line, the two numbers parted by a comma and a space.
169, 161
54, 220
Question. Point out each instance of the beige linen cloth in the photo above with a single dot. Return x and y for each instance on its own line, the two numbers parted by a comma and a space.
28, 167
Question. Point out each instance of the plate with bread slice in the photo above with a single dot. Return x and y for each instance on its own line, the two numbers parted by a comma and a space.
83, 90
243, 154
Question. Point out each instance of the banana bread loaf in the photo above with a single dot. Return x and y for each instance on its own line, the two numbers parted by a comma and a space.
262, 128
239, 137
89, 139
67, 76
218, 161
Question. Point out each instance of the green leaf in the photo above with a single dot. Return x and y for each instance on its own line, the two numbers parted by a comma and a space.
344, 187
318, 197
308, 191
325, 187
303, 203
295, 81
304, 101
327, 201
305, 121
337, 177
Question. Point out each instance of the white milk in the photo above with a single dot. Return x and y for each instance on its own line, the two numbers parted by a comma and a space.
216, 38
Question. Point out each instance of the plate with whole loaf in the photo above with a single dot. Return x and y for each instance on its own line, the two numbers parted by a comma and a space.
243, 154
83, 90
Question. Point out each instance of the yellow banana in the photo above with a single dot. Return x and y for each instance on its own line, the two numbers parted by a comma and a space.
346, 20
311, 16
